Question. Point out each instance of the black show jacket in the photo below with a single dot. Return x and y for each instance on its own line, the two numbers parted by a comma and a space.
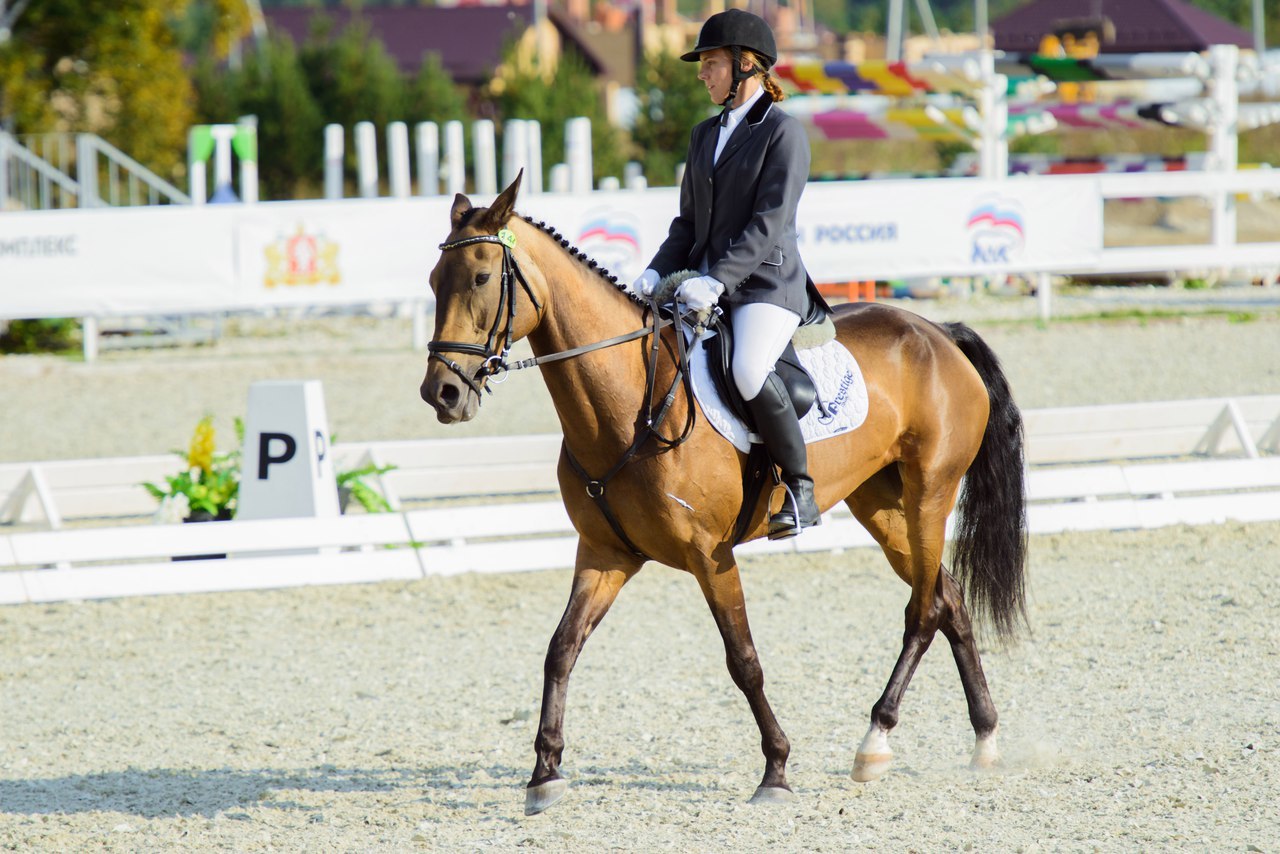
740, 213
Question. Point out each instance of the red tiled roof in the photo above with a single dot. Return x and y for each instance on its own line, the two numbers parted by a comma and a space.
1142, 26
469, 39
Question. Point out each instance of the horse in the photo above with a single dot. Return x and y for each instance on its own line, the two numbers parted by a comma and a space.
940, 410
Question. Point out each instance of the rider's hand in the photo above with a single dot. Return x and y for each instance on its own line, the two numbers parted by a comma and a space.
645, 284
700, 293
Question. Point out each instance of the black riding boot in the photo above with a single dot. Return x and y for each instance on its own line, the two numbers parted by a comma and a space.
777, 424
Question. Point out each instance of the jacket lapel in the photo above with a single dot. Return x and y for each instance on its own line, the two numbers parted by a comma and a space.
742, 132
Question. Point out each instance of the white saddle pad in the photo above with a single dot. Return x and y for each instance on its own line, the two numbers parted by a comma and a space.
841, 405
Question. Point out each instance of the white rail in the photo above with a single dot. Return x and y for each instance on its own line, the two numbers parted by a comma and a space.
116, 560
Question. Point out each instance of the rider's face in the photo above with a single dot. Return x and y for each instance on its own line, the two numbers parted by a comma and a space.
716, 72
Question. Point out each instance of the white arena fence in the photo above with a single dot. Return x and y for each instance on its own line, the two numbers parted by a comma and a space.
1114, 467
99, 264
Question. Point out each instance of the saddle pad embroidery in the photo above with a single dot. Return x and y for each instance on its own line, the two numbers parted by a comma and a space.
841, 389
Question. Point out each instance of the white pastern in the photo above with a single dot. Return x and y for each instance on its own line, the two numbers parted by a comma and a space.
874, 755
986, 751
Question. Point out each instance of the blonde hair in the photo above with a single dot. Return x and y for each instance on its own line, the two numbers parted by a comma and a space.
767, 80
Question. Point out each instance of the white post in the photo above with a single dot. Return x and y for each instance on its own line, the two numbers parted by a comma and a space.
197, 173
248, 127
222, 135
1223, 142
610, 182
533, 178
367, 160
577, 151
1044, 295
427, 137
455, 158
515, 150
398, 159
89, 338
486, 151
334, 150
560, 178
993, 108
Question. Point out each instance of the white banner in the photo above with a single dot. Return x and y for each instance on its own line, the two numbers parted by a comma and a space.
318, 253
133, 261
227, 257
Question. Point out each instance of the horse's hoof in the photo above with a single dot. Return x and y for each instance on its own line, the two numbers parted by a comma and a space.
870, 766
874, 756
771, 795
986, 754
540, 797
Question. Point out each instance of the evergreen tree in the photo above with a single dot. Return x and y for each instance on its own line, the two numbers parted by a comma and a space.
572, 91
290, 129
433, 96
352, 77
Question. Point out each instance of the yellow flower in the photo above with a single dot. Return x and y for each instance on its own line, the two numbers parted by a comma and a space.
202, 445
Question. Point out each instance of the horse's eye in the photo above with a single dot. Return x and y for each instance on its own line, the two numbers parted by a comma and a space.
481, 278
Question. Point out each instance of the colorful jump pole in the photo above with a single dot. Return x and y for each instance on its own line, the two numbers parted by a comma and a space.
219, 142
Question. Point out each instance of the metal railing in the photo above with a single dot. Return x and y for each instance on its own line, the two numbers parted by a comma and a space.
36, 174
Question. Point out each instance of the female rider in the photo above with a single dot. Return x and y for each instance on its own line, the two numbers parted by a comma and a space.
743, 177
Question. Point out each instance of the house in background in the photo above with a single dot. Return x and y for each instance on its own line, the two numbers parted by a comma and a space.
1084, 27
470, 39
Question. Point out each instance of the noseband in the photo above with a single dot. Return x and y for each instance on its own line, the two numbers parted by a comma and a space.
495, 362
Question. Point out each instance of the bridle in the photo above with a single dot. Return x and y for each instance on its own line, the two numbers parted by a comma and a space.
495, 362
650, 419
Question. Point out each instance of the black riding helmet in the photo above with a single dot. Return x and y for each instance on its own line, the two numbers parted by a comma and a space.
736, 30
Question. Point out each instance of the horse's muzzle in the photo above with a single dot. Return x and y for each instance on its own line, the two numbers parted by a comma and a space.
452, 401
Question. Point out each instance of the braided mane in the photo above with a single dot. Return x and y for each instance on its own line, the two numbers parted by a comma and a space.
577, 253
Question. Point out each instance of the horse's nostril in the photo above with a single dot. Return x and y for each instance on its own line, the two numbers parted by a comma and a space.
449, 394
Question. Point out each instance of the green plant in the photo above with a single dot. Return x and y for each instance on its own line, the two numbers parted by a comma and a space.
365, 495
210, 483
52, 335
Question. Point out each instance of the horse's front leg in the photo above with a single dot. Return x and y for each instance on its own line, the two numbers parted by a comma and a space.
722, 587
594, 589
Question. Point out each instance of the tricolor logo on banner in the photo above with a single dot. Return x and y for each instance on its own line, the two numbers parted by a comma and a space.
612, 238
996, 231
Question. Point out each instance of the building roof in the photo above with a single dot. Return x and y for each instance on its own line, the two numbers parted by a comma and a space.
1141, 26
468, 39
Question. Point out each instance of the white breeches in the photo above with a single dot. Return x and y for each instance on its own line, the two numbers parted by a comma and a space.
760, 334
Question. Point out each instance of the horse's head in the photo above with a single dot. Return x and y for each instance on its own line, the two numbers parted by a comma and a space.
483, 303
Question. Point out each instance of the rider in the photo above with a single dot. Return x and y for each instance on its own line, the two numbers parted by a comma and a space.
743, 177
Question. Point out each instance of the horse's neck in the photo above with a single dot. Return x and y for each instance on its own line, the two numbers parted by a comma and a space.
597, 395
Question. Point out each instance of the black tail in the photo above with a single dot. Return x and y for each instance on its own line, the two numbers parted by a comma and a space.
990, 550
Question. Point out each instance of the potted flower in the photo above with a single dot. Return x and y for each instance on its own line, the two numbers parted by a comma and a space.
208, 487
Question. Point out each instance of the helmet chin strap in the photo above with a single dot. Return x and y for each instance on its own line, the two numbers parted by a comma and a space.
738, 76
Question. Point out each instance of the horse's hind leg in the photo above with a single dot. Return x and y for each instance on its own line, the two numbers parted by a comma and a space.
594, 590
722, 587
908, 522
982, 711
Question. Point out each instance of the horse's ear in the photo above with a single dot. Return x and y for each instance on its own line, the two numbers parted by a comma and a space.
461, 204
500, 210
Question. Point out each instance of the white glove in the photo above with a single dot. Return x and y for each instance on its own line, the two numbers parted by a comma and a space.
700, 293
646, 283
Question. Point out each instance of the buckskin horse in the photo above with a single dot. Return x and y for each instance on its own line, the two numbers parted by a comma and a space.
940, 412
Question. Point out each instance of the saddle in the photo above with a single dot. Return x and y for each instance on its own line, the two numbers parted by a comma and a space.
800, 388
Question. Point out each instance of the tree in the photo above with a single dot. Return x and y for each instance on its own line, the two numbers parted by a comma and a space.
351, 76
433, 96
671, 101
113, 69
571, 91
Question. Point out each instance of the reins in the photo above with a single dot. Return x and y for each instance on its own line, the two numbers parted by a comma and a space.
495, 363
